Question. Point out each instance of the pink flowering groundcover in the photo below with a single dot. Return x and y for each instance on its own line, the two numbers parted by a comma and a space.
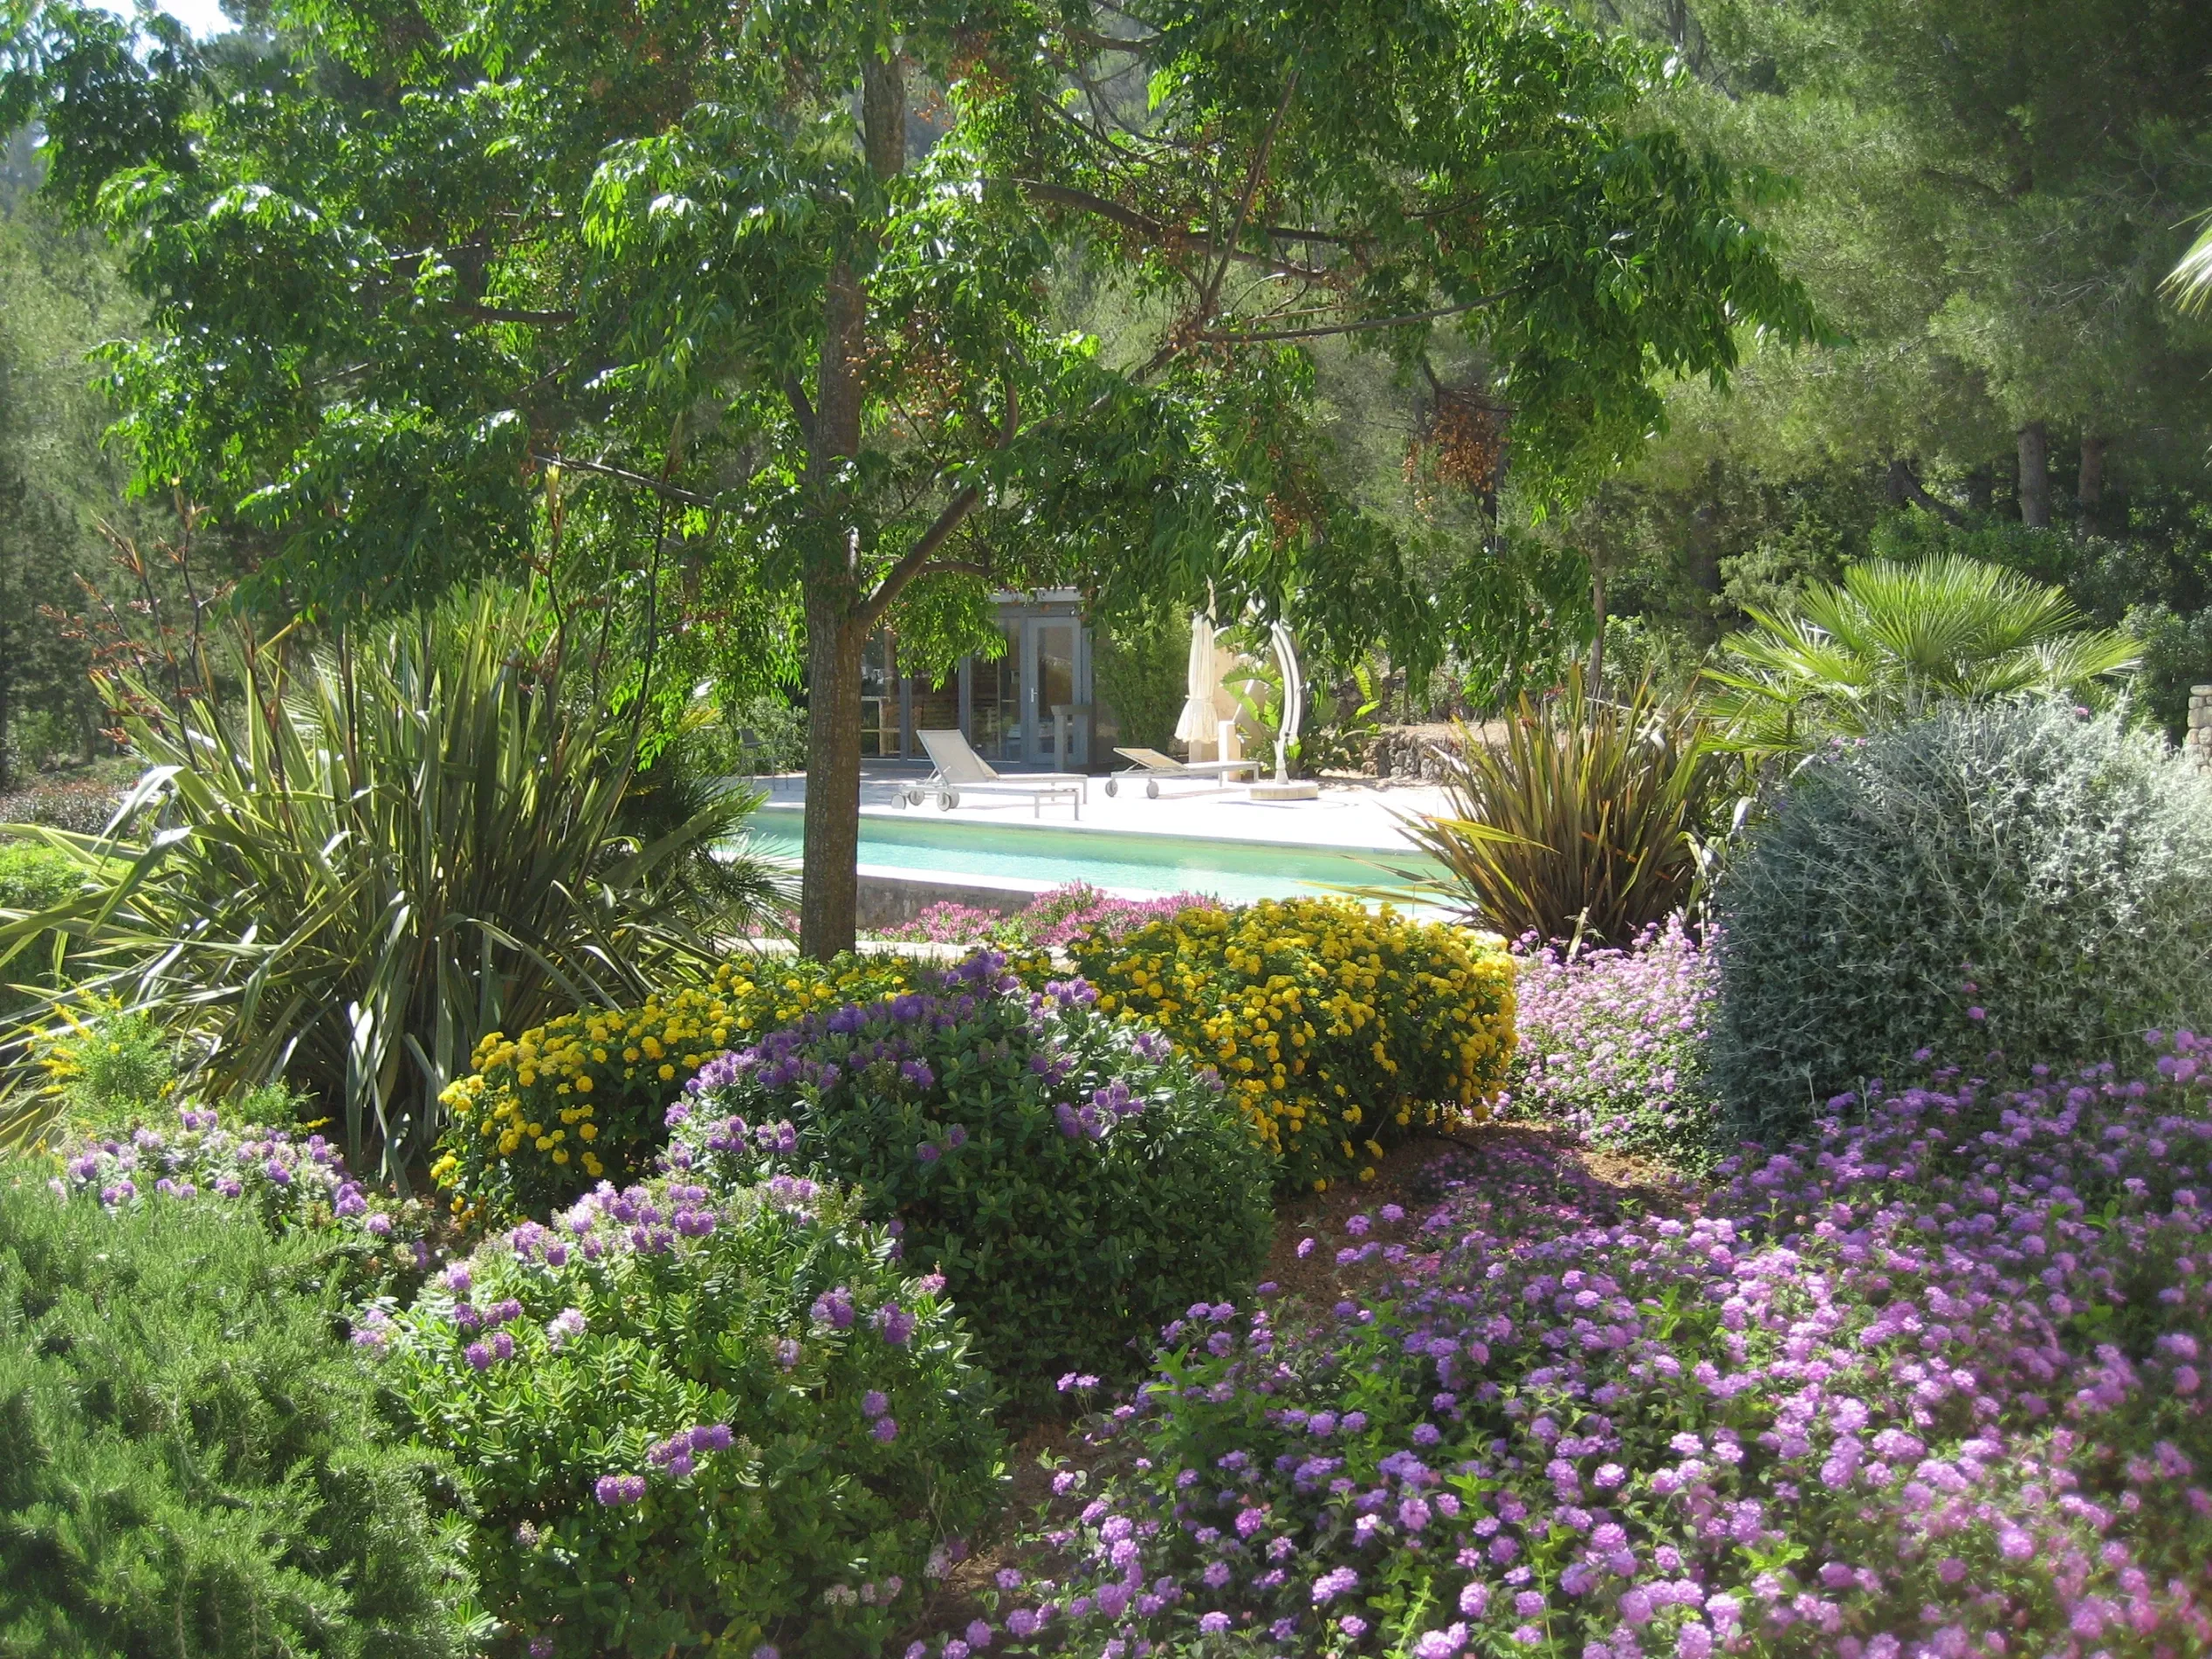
1929, 1383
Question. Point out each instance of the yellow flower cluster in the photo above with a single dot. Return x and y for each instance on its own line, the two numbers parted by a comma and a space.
584, 1097
1337, 1028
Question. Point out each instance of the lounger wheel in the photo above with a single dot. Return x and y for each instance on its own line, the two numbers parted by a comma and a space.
1151, 789
1113, 788
947, 799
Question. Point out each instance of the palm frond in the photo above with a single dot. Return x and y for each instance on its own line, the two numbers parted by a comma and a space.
1893, 639
2189, 284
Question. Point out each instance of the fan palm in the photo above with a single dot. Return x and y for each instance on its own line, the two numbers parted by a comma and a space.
1895, 639
376, 852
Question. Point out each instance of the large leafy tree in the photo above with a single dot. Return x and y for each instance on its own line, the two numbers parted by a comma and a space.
756, 307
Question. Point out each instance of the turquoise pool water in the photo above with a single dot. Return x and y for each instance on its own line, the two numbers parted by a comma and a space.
1237, 871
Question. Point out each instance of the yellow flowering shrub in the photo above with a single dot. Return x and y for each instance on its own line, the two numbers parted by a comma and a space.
583, 1097
1337, 1028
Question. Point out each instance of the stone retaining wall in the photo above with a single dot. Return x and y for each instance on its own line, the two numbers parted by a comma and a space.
1409, 752
2198, 744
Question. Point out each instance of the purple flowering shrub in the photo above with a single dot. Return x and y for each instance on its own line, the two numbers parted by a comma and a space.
682, 1420
1931, 1383
1079, 911
292, 1183
1074, 1180
1050, 920
1611, 1042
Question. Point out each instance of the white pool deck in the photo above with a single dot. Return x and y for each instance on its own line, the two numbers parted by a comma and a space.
1348, 816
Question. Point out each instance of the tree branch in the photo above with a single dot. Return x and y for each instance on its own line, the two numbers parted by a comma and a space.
1160, 230
506, 314
912, 560
660, 487
800, 406
1210, 296
1905, 485
1231, 337
915, 559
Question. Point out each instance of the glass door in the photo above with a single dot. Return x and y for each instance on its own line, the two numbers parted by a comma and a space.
1051, 645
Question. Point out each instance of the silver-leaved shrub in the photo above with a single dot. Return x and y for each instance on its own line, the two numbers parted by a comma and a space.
2023, 878
683, 1422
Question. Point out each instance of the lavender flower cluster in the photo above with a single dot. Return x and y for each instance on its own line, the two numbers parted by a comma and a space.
1930, 1385
1611, 1041
892, 1042
288, 1180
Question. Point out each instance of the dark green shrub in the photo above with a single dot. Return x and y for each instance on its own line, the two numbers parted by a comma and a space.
190, 1468
1076, 1184
690, 1422
2020, 878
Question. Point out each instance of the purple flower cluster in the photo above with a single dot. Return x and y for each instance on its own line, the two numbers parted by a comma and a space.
821, 1049
676, 1453
1106, 1108
667, 1386
1611, 1041
289, 1179
1927, 1385
915, 1048
648, 1220
613, 1492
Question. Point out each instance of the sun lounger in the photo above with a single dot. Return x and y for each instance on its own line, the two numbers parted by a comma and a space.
960, 771
1155, 768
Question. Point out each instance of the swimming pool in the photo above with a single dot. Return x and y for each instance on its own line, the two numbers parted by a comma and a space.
1236, 871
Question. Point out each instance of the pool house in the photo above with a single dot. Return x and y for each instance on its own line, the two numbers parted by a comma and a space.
1033, 706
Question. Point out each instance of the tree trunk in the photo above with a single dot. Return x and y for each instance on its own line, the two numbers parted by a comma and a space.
1982, 489
830, 888
1905, 485
836, 598
2035, 476
829, 881
2089, 492
1597, 640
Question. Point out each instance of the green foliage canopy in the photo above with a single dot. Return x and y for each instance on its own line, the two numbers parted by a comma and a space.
713, 297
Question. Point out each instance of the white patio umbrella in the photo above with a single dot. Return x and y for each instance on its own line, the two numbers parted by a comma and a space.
1197, 722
